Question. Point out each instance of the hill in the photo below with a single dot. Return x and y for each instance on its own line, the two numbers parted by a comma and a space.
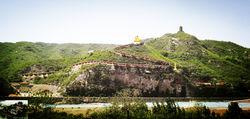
205, 62
177, 64
206, 59
196, 68
17, 58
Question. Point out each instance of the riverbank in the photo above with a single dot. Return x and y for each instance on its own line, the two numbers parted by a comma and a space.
123, 110
243, 100
79, 100
88, 111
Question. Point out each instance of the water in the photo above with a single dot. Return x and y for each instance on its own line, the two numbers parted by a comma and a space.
84, 105
183, 104
11, 102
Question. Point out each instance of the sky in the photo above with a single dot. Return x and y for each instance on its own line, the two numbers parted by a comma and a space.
119, 21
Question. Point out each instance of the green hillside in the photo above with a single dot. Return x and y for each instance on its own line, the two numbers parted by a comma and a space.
203, 59
16, 57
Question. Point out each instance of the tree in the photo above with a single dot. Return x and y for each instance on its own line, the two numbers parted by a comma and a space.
234, 111
5, 88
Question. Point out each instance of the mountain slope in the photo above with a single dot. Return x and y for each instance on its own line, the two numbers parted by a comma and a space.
206, 60
197, 68
15, 58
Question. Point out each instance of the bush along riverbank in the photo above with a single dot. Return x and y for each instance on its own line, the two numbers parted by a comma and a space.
129, 110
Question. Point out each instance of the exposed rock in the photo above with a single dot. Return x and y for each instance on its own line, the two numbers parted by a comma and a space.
106, 80
34, 69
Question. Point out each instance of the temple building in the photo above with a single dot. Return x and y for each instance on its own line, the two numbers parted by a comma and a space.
137, 40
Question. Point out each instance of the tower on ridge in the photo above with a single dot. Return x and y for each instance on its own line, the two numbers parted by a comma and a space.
181, 29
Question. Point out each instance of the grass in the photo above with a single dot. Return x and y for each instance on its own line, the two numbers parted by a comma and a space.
154, 53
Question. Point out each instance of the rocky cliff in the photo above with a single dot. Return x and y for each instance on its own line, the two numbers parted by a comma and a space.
134, 80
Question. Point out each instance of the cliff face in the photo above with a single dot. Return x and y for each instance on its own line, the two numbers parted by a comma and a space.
110, 80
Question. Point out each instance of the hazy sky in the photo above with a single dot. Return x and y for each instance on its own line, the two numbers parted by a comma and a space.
119, 21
